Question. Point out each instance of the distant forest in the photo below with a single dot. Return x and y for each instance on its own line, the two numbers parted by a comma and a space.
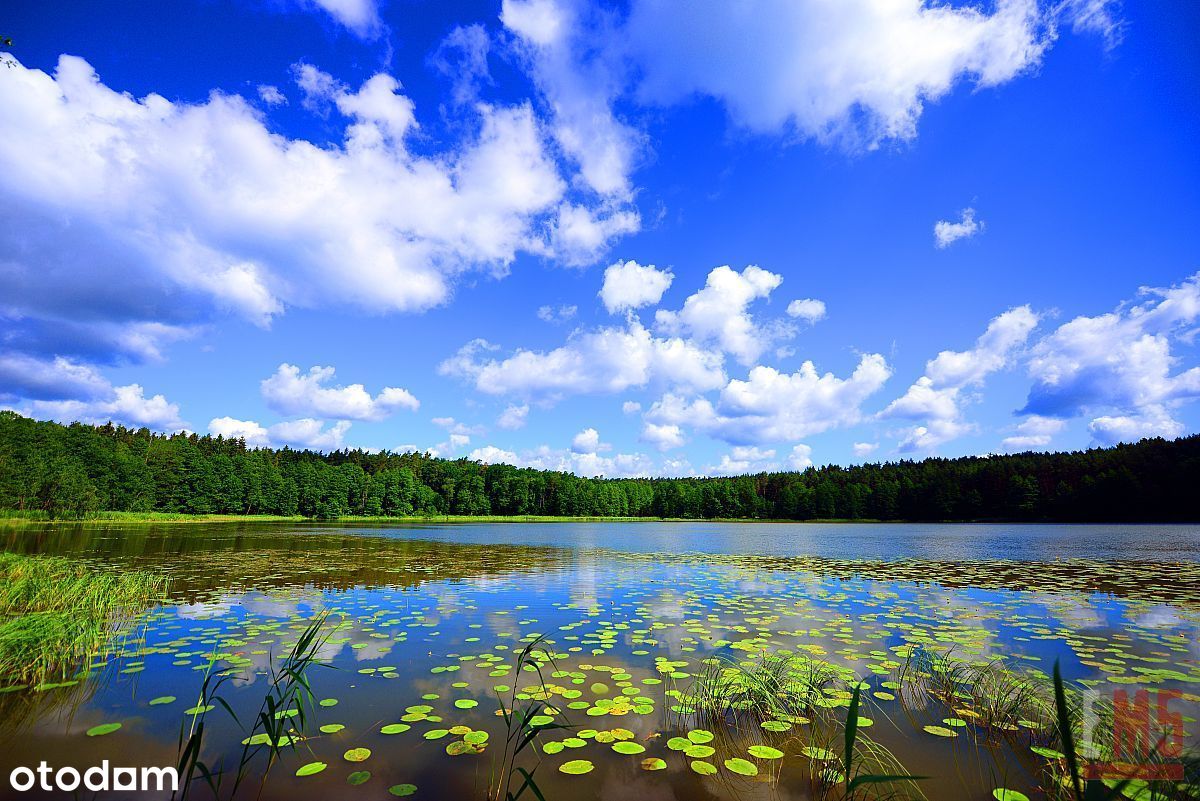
72, 471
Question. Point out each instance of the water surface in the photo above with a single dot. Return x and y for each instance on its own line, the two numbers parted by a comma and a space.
429, 617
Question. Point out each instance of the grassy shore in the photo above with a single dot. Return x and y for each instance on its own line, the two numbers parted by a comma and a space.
55, 612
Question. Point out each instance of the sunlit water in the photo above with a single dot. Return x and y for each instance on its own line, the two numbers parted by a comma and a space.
432, 616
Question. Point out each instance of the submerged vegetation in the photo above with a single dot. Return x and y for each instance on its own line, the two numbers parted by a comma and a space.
54, 471
55, 612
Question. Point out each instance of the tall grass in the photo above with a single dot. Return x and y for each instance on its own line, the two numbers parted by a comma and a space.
54, 612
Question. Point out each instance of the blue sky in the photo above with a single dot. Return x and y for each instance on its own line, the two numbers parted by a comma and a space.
616, 239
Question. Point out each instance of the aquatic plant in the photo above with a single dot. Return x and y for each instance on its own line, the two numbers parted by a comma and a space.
278, 724
523, 726
54, 612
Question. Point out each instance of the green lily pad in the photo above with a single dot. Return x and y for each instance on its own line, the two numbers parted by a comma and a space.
162, 699
395, 728
311, 768
402, 790
358, 777
742, 767
703, 768
357, 755
332, 728
941, 731
654, 763
576, 767
627, 747
1004, 794
102, 729
700, 736
765, 752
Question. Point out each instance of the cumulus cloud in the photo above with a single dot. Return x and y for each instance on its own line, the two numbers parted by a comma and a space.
663, 437
629, 285
187, 211
1150, 421
513, 417
857, 72
586, 441
291, 392
770, 406
543, 457
127, 404
463, 58
1120, 364
742, 460
1033, 433
938, 396
606, 360
303, 433
719, 313
807, 309
946, 232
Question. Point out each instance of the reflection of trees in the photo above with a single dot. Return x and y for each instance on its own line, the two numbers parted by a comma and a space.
200, 559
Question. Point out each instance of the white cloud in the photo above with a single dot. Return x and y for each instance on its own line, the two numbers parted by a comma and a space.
550, 314
463, 58
629, 285
742, 460
586, 441
1100, 17
1120, 361
719, 313
557, 41
1150, 421
309, 433
864, 449
858, 71
23, 376
490, 454
360, 16
938, 397
579, 235
770, 406
127, 404
605, 360
630, 407
946, 233
808, 310
187, 211
513, 417
271, 95
663, 437
583, 464
256, 436
801, 457
291, 393
1033, 433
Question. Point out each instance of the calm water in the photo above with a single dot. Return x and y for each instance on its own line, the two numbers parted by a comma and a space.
429, 619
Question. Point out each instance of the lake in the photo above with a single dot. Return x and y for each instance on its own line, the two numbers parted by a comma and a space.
651, 644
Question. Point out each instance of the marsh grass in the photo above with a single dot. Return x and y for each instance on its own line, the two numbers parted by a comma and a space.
55, 612
521, 733
733, 699
278, 724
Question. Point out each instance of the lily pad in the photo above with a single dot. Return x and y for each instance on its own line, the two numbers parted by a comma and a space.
627, 747
742, 767
765, 752
654, 763
102, 729
357, 755
576, 767
402, 790
311, 768
358, 777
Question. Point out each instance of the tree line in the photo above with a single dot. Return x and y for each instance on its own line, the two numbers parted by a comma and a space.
70, 471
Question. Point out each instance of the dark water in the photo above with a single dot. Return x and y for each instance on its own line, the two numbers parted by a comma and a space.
430, 618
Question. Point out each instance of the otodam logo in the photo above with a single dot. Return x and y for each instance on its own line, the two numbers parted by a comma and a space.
100, 778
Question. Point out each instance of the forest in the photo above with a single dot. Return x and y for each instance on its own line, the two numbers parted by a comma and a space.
72, 471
